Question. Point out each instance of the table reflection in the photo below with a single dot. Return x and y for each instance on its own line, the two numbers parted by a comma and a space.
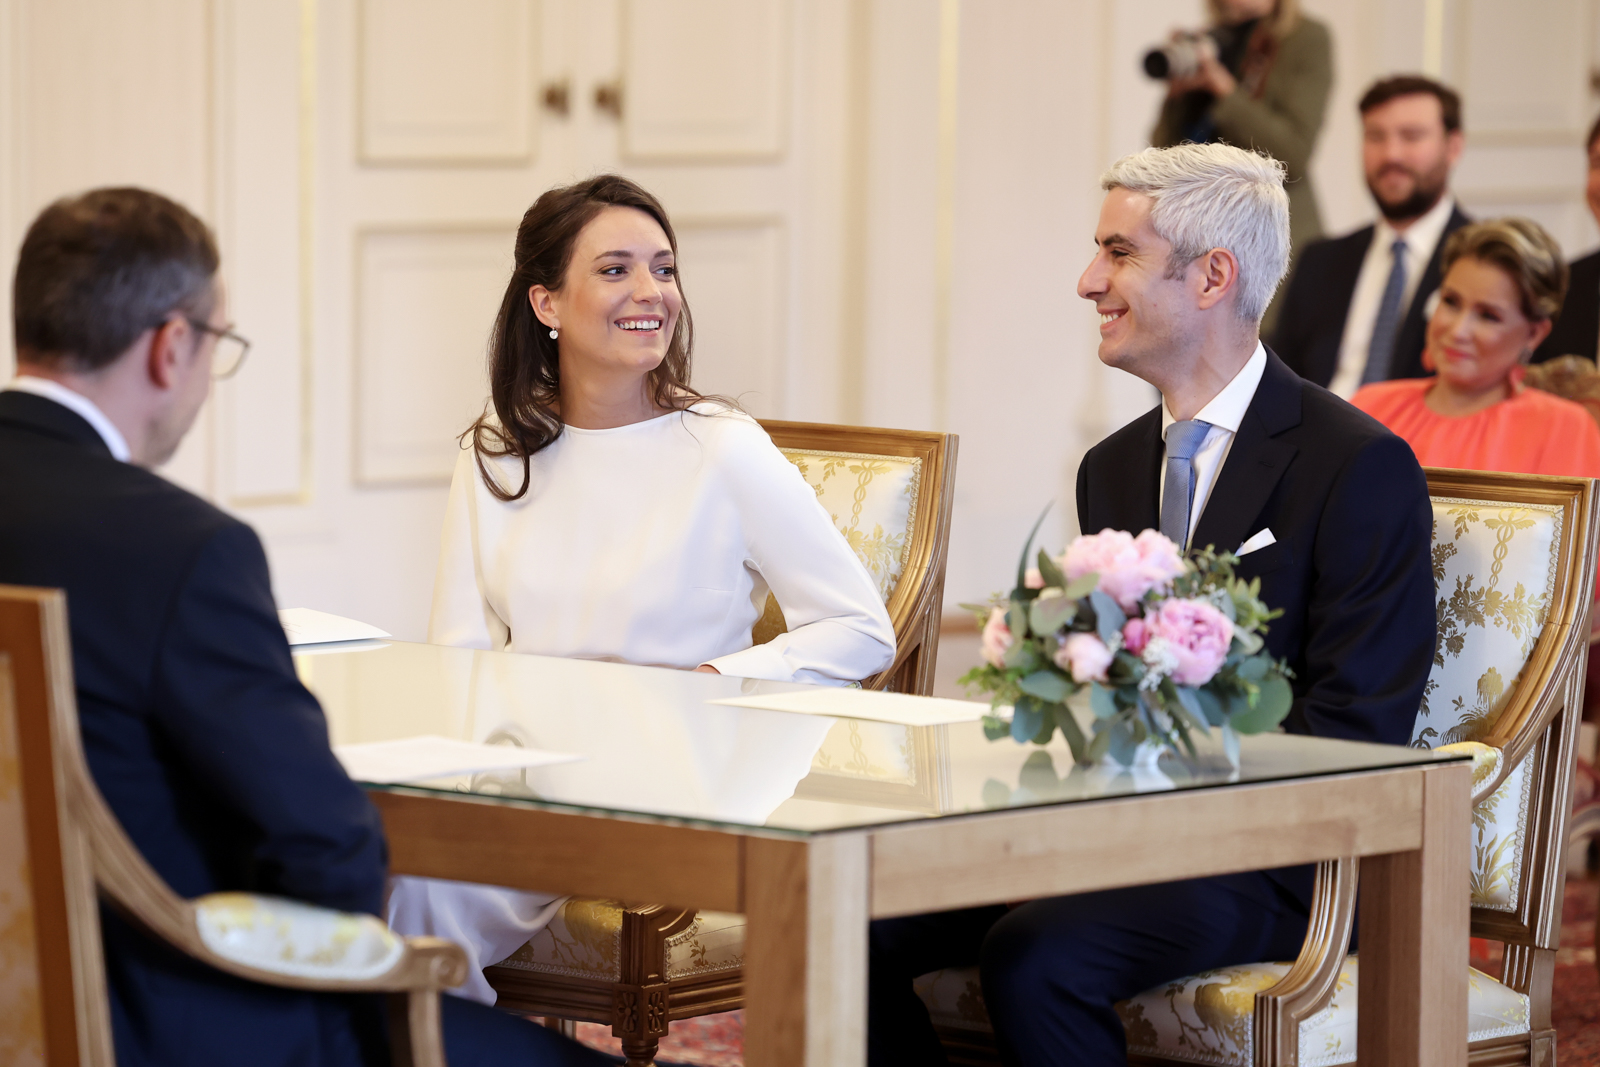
653, 744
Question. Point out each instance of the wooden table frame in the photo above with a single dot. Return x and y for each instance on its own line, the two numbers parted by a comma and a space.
809, 899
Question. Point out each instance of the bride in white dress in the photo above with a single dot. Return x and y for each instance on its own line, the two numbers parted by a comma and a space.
605, 510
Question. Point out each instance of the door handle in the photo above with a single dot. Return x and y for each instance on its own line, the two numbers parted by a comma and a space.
608, 98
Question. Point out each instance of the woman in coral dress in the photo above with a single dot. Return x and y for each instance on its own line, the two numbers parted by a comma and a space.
1504, 281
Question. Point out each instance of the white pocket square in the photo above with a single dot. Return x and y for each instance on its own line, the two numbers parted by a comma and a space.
1260, 540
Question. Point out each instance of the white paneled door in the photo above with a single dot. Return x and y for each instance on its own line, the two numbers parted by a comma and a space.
436, 126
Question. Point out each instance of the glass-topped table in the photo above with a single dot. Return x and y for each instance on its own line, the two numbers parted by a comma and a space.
812, 825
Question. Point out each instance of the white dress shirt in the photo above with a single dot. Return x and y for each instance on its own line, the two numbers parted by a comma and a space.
77, 402
1225, 413
1420, 239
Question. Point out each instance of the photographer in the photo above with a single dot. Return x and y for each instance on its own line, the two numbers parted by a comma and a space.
1261, 81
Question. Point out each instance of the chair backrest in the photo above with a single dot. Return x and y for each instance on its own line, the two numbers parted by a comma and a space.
71, 1010
890, 493
1514, 561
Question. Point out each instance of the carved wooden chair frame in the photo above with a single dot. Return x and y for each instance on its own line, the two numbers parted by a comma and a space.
1539, 721
642, 1001
76, 846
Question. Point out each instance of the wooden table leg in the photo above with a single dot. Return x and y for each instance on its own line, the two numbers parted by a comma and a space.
805, 972
1415, 913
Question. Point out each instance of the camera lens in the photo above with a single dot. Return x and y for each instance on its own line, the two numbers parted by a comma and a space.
1156, 63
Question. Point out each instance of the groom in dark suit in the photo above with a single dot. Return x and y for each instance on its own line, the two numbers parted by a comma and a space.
209, 751
1323, 504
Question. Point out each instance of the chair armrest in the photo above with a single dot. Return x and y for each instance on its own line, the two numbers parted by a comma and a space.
295, 945
1312, 980
1490, 767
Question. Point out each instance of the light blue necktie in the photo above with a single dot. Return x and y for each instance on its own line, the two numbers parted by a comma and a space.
1380, 352
1183, 441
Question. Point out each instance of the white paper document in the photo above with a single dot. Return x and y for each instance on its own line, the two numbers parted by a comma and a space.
898, 708
416, 759
308, 627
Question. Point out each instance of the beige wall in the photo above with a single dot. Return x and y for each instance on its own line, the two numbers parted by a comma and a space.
883, 223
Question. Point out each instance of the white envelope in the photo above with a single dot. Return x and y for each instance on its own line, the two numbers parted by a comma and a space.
1260, 540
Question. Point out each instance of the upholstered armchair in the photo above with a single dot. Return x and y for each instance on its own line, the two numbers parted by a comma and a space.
641, 966
1513, 562
74, 846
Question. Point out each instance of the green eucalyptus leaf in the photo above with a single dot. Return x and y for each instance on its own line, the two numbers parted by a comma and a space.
1082, 586
994, 727
1271, 706
1050, 572
1125, 738
1211, 708
1026, 719
996, 794
1050, 613
1071, 731
1187, 709
1254, 668
1102, 701
1108, 618
1048, 685
1100, 745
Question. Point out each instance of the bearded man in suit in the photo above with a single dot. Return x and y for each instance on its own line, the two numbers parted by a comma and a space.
209, 751
1323, 504
1355, 310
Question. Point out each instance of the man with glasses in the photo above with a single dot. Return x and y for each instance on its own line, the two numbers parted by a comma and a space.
208, 749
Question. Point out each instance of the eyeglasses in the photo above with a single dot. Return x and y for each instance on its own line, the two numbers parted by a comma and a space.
230, 353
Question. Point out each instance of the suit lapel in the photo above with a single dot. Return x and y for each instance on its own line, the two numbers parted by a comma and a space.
1133, 477
1342, 274
1256, 461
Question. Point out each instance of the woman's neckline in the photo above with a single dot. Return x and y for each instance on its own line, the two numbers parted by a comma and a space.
583, 431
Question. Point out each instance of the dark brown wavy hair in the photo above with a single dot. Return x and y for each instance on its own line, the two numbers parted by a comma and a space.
524, 363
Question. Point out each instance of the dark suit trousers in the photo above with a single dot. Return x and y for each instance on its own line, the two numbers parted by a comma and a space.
1052, 969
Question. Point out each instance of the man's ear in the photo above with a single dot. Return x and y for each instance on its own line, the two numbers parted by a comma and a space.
169, 346
543, 303
1218, 276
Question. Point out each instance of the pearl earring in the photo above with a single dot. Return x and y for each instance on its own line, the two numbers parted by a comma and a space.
554, 334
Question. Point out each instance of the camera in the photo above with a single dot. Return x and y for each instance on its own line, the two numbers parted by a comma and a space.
1181, 56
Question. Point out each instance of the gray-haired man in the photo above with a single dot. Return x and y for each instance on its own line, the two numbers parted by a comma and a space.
1326, 507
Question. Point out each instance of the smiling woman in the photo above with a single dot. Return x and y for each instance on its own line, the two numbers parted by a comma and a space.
1503, 284
603, 509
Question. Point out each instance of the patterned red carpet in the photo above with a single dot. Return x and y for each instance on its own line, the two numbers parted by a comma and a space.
717, 1040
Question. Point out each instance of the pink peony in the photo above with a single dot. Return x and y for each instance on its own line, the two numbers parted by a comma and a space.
1135, 634
1085, 657
996, 638
1128, 566
1197, 636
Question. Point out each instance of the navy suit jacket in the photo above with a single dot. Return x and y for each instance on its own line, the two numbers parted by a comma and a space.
1351, 567
1577, 328
206, 746
1311, 320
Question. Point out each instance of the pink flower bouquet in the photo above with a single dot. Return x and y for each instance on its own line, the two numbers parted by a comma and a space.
1166, 646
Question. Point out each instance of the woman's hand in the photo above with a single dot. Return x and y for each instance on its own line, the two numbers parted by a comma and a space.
706, 668
1215, 79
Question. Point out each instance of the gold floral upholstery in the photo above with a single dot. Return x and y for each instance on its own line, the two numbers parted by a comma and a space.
584, 940
287, 937
1210, 1017
1498, 824
877, 751
873, 502
1494, 568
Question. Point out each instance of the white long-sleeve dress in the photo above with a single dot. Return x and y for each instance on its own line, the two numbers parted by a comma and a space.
655, 544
